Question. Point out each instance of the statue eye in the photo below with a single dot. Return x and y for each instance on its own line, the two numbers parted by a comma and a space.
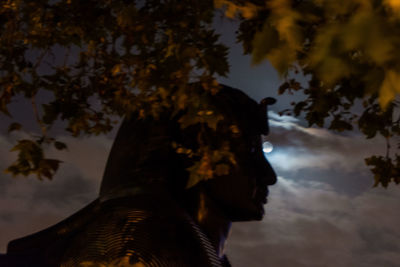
254, 146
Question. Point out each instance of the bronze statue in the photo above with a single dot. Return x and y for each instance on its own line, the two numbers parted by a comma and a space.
144, 215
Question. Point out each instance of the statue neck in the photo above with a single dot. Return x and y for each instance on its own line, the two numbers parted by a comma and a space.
212, 221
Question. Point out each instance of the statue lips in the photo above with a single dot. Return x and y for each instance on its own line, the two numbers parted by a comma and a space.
259, 199
260, 194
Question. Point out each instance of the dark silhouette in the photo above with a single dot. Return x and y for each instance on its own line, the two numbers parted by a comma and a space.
145, 215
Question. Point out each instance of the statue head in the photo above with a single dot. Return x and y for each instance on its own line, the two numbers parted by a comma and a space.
143, 160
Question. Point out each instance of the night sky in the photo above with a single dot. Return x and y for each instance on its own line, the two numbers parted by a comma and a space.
323, 210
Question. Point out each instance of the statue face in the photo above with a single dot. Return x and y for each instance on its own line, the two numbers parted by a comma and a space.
243, 193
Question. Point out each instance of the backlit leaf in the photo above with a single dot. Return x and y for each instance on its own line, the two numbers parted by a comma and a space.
390, 86
14, 127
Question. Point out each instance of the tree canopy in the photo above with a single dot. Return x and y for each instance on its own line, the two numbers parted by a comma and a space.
124, 56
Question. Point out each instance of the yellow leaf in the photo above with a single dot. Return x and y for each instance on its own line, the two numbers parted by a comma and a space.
263, 42
222, 169
182, 100
323, 42
280, 39
231, 11
379, 45
170, 50
248, 11
380, 50
235, 129
116, 69
390, 86
332, 69
356, 31
393, 4
219, 3
285, 18
282, 58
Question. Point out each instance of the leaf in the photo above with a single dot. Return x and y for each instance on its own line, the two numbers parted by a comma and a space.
368, 124
383, 169
222, 169
249, 11
283, 87
116, 69
285, 19
390, 86
282, 58
48, 168
194, 176
263, 43
340, 125
280, 39
332, 69
299, 107
31, 161
51, 112
231, 10
28, 160
14, 127
394, 4
213, 120
60, 145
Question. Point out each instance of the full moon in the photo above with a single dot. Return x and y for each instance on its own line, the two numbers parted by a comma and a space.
267, 147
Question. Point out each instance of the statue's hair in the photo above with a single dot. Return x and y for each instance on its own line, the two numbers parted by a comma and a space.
142, 157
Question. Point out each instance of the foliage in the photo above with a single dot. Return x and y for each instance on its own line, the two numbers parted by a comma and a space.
117, 57
348, 52
31, 160
384, 170
106, 58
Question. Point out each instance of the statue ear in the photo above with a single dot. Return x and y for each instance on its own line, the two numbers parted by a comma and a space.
264, 114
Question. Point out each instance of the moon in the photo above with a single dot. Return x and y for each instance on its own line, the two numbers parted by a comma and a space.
267, 147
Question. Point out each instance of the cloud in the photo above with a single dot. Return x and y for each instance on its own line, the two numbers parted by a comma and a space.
298, 147
303, 153
322, 211
313, 225
87, 156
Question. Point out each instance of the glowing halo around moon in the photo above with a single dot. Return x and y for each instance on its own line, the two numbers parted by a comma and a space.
267, 147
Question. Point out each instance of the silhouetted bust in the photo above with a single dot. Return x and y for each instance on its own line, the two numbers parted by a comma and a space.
145, 215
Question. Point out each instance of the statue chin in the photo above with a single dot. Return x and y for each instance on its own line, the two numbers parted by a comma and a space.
256, 213
260, 212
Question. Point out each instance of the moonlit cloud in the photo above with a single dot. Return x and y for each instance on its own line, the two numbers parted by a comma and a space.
310, 224
298, 147
323, 210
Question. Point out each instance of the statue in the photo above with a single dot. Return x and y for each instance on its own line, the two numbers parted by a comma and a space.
144, 215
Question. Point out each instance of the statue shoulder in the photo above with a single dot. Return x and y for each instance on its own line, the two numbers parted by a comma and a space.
136, 234
46, 247
130, 230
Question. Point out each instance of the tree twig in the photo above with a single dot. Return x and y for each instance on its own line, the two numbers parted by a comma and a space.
37, 116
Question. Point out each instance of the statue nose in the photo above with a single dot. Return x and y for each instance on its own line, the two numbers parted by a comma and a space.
270, 174
266, 173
